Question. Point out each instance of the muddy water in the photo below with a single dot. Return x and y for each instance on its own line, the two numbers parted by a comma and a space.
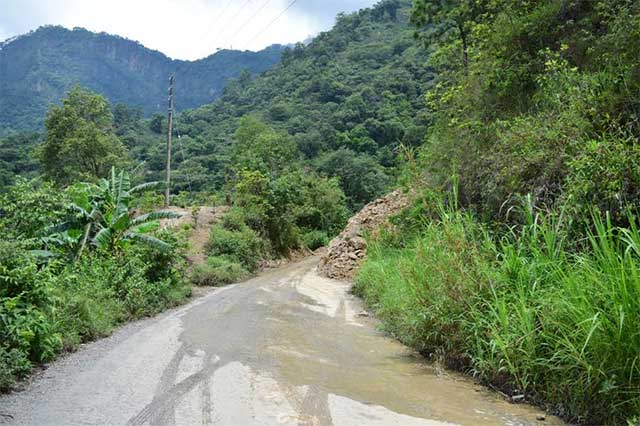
286, 348
319, 338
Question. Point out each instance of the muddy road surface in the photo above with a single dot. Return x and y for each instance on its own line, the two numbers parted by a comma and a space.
286, 348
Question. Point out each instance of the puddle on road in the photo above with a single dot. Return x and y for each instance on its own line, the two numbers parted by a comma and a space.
358, 376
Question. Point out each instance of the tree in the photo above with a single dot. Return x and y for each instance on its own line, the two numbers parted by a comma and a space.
362, 178
80, 142
259, 147
447, 14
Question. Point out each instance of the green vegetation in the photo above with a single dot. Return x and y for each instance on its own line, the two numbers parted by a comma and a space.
41, 66
75, 260
277, 205
53, 295
81, 142
346, 101
217, 271
531, 109
522, 311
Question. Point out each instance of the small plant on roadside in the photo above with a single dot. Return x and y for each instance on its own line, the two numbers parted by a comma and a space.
217, 271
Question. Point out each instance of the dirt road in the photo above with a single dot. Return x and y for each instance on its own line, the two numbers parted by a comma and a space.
286, 348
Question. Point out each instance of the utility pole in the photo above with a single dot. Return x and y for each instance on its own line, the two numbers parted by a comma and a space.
167, 190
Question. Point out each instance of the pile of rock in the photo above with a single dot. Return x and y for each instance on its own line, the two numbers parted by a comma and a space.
347, 250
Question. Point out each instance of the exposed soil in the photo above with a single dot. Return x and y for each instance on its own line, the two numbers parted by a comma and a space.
199, 235
347, 251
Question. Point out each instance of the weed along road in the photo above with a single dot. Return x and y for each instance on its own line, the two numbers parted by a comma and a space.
286, 348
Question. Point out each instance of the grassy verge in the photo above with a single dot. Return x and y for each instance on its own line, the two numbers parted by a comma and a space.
522, 311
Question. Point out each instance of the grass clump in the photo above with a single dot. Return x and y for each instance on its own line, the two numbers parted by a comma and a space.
218, 271
519, 310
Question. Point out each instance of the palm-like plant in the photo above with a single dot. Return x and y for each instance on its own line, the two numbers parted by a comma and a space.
102, 215
111, 217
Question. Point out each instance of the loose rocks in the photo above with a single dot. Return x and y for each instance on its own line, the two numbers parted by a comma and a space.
347, 250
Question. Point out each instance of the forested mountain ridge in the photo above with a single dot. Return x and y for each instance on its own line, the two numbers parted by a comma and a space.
347, 100
37, 69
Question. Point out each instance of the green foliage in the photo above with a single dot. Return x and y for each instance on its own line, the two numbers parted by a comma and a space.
278, 198
259, 147
28, 208
48, 302
80, 143
218, 271
315, 239
111, 217
26, 330
17, 158
356, 88
521, 312
361, 177
13, 364
238, 244
540, 107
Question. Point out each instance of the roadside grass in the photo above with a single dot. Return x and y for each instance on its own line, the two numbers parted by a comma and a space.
218, 271
522, 312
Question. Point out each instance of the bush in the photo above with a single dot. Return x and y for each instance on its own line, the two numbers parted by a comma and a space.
243, 246
89, 306
14, 364
218, 271
313, 240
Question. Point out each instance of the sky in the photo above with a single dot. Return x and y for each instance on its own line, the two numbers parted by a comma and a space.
182, 29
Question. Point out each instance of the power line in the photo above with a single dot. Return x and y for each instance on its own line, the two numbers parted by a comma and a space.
250, 19
224, 10
272, 22
235, 16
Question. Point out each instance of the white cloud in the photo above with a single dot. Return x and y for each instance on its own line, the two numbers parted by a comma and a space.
185, 29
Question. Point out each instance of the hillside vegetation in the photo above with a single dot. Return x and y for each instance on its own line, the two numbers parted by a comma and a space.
38, 68
518, 261
347, 102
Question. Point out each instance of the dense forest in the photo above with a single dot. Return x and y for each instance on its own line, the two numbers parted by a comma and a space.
347, 102
38, 68
513, 126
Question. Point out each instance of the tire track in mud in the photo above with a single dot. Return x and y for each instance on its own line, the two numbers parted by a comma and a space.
169, 394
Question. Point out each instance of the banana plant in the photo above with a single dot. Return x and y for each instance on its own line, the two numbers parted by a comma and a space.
113, 221
102, 216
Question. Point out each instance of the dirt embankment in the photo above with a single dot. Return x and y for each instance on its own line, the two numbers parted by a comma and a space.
347, 250
199, 235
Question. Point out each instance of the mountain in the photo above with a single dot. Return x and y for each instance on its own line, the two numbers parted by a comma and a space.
349, 100
37, 69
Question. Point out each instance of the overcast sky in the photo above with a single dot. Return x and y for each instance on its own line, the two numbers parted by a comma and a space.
182, 29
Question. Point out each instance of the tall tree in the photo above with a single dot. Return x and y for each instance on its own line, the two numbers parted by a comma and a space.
81, 143
459, 15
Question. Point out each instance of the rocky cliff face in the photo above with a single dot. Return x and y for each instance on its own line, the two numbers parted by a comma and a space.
38, 68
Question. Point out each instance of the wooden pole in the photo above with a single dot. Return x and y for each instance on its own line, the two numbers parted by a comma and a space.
167, 191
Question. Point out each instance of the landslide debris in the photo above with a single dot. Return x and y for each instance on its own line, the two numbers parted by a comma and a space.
347, 250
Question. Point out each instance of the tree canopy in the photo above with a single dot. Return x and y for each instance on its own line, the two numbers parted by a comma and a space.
81, 143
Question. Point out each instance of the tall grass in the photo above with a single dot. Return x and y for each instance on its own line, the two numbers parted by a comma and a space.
519, 310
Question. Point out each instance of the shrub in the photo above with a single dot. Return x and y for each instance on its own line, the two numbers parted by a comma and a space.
13, 364
313, 240
243, 246
218, 271
88, 304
